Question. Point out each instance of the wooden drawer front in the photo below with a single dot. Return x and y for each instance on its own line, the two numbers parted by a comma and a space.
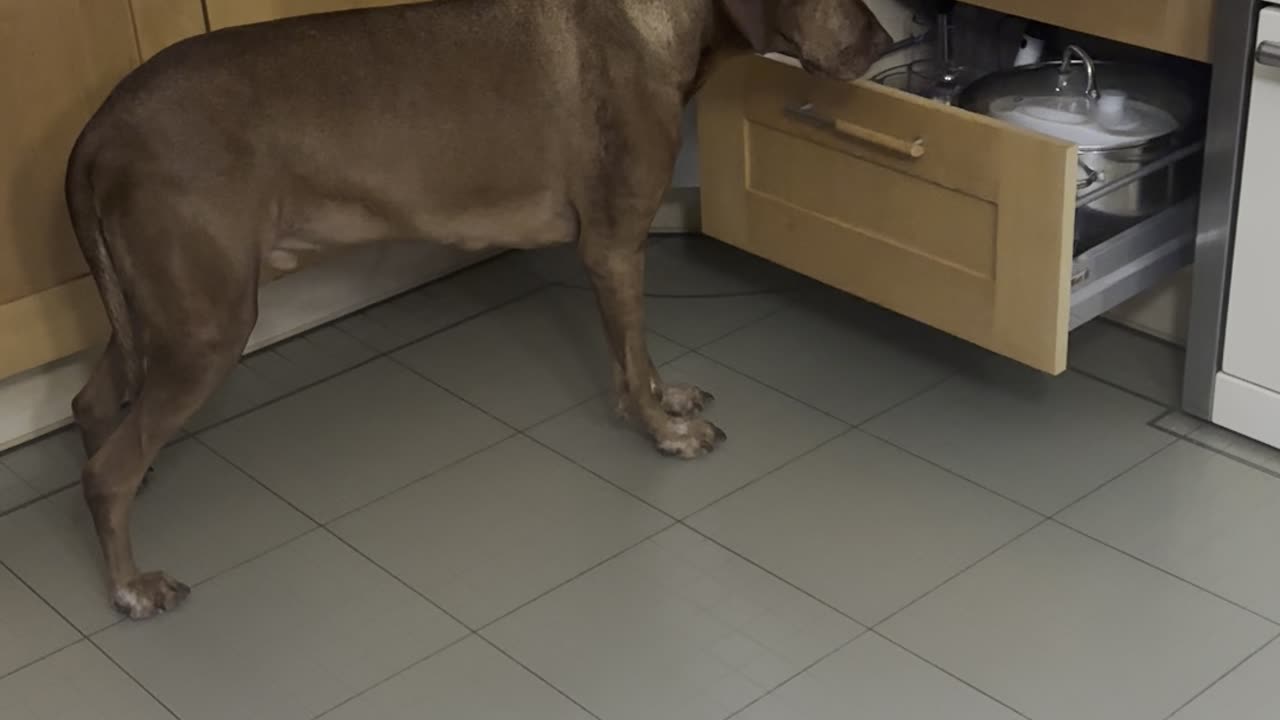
972, 237
1177, 27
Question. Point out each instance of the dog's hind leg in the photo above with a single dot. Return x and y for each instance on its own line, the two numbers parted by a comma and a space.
182, 371
192, 306
99, 406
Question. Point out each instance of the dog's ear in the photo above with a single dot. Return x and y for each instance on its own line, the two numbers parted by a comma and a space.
751, 18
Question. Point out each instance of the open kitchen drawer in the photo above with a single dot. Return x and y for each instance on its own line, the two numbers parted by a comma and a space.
946, 216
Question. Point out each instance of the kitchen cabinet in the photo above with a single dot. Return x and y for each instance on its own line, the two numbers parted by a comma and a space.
948, 217
60, 60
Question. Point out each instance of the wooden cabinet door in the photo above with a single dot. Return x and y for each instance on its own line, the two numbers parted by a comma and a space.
225, 13
61, 58
58, 61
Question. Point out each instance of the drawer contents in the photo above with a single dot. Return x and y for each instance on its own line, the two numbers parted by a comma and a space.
1136, 128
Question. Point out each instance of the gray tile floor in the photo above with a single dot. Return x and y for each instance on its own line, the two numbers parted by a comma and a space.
426, 510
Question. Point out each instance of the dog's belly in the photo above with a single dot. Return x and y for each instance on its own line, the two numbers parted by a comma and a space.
526, 221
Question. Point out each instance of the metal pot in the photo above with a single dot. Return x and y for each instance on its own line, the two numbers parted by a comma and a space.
1079, 76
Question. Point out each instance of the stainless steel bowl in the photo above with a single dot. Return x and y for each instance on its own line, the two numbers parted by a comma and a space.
1077, 74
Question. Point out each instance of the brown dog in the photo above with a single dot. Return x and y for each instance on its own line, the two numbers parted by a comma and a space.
479, 123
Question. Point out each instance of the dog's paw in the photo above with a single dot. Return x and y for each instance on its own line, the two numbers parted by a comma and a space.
684, 400
688, 439
149, 595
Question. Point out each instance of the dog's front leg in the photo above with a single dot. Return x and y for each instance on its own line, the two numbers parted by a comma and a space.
665, 411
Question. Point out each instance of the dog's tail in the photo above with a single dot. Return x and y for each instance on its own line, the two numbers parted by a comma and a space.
82, 203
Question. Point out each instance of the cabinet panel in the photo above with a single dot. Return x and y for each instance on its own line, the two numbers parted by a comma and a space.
61, 58
1177, 27
1251, 345
160, 23
58, 61
50, 325
225, 13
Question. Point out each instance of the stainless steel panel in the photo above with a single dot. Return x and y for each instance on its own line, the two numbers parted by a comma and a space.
1234, 34
1132, 261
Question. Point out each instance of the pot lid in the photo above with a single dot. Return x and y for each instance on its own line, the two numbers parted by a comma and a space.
1110, 119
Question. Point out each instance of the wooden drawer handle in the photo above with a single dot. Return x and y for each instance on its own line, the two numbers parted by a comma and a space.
913, 149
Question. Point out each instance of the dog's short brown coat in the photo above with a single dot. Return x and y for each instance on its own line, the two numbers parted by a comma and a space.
478, 123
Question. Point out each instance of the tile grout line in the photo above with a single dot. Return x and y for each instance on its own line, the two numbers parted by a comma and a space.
849, 430
950, 674
43, 657
477, 632
950, 472
429, 476
861, 634
1163, 404
1231, 456
121, 619
1159, 451
775, 576
396, 674
762, 383
914, 396
596, 475
321, 527
527, 433
480, 630
1168, 573
395, 577
765, 474
1039, 523
531, 671
1223, 676
131, 677
768, 315
378, 355
186, 434
23, 581
37, 500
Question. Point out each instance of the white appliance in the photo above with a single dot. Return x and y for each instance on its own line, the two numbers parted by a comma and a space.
1233, 376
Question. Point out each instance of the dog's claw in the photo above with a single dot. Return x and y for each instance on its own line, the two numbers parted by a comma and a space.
149, 594
689, 439
685, 401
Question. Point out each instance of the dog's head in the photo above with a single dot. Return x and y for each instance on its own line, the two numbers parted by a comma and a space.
836, 38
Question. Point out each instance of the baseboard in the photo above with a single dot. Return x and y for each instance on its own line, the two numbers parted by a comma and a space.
39, 401
1245, 408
